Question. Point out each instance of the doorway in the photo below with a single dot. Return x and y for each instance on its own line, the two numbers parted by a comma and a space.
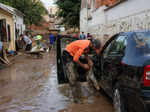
3, 30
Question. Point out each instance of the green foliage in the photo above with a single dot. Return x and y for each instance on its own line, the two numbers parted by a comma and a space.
69, 12
32, 9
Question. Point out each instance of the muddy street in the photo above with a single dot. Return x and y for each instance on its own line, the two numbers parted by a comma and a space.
30, 85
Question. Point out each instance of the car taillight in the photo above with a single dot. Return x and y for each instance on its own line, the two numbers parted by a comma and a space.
147, 75
123, 64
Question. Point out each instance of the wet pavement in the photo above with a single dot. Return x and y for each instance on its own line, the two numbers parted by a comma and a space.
30, 85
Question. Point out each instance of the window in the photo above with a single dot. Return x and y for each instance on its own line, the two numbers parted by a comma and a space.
142, 40
9, 33
3, 30
117, 46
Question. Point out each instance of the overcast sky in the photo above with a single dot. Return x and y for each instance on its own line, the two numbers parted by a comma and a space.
48, 2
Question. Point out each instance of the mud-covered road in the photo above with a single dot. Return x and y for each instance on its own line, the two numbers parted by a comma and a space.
30, 85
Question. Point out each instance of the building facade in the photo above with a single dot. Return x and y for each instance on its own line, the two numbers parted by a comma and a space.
11, 25
100, 17
52, 10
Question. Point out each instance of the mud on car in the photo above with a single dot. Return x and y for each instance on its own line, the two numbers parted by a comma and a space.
122, 69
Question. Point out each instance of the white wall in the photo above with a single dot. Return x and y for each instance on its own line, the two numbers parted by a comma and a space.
83, 21
127, 8
19, 23
97, 17
127, 16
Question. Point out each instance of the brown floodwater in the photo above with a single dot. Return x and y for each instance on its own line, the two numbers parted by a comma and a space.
30, 85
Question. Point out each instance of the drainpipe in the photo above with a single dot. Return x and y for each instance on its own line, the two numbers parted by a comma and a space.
87, 17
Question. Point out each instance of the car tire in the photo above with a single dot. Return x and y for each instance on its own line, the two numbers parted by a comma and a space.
118, 101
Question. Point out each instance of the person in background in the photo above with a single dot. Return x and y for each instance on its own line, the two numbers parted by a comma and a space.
1, 48
76, 36
71, 57
38, 39
82, 36
27, 41
89, 36
51, 40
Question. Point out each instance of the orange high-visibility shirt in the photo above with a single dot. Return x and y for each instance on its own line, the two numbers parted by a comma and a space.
76, 48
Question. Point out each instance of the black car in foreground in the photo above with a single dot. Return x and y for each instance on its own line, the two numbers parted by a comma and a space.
122, 70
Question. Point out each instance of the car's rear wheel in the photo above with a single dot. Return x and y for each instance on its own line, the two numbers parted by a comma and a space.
118, 101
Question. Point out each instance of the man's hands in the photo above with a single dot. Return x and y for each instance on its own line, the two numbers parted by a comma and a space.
86, 66
90, 63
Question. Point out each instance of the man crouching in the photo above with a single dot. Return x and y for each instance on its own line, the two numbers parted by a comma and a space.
72, 54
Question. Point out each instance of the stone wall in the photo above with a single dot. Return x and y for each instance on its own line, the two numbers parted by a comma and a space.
139, 21
128, 16
83, 20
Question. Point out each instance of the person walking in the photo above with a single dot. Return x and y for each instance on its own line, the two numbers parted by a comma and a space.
72, 54
28, 41
1, 48
76, 36
89, 36
51, 40
82, 36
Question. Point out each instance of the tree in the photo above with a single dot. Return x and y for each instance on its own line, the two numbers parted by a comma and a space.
32, 9
69, 12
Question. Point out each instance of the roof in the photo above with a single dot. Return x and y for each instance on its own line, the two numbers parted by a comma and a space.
11, 10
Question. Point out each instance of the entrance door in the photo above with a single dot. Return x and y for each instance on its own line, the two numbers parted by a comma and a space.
3, 30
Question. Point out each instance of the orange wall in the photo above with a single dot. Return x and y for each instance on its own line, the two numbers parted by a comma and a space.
99, 3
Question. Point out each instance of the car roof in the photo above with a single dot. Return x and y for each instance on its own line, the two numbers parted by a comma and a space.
134, 56
132, 32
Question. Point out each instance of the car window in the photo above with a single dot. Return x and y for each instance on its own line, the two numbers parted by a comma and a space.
65, 42
143, 41
138, 49
117, 46
105, 54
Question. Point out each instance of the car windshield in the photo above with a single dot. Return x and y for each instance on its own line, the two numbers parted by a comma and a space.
143, 42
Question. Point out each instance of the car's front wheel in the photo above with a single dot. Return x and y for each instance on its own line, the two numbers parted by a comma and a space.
118, 101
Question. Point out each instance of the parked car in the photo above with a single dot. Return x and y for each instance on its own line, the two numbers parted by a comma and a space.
123, 70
